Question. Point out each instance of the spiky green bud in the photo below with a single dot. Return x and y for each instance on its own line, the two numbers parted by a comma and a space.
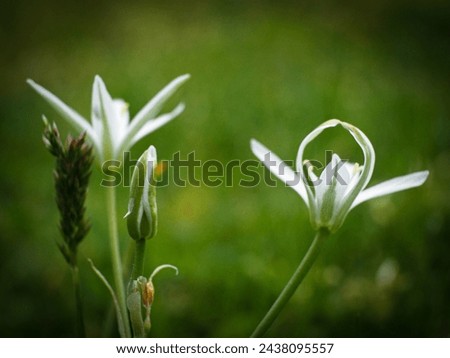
72, 171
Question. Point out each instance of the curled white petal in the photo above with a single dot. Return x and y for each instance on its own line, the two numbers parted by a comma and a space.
369, 160
279, 168
392, 186
310, 137
300, 159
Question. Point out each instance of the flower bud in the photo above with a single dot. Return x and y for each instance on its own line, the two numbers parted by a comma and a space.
142, 218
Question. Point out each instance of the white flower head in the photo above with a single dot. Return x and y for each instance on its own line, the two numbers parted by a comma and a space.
341, 186
111, 130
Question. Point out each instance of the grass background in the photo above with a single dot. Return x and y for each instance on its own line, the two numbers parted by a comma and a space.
268, 70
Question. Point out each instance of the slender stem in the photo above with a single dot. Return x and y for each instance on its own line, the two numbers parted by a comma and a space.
128, 259
109, 322
78, 301
292, 285
134, 300
115, 257
139, 254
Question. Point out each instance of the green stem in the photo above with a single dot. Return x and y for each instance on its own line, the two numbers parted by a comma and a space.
115, 257
78, 301
134, 299
109, 322
139, 254
293, 283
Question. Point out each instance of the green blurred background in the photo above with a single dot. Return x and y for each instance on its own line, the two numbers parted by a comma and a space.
269, 70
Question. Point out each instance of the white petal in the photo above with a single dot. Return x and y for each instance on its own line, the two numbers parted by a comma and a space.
335, 170
343, 179
152, 108
326, 179
95, 111
360, 181
279, 168
345, 172
319, 189
123, 118
348, 196
391, 186
153, 125
331, 188
103, 111
150, 165
355, 171
369, 158
65, 111
311, 175
301, 149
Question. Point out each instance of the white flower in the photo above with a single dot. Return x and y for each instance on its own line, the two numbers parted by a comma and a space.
341, 185
110, 130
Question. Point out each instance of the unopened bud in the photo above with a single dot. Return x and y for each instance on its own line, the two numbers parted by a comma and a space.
142, 213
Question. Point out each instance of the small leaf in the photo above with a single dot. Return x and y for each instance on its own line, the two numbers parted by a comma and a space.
120, 322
